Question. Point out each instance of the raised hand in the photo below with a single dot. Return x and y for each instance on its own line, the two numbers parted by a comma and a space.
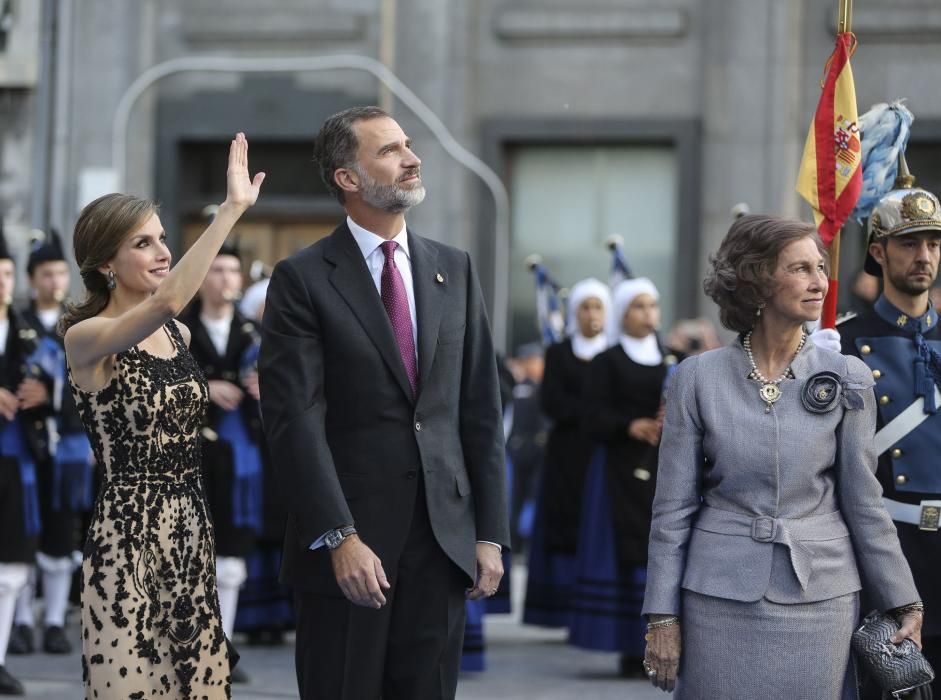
241, 189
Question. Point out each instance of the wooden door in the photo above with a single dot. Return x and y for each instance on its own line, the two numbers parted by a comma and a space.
268, 241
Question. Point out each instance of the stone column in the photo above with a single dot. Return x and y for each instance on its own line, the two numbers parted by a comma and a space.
751, 112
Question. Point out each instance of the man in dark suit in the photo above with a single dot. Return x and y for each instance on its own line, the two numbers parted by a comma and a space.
381, 405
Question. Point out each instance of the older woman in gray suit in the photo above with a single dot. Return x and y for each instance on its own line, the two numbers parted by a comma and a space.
768, 516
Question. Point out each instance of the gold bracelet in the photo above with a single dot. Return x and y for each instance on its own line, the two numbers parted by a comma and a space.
666, 622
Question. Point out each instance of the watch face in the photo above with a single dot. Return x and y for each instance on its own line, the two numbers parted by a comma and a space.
333, 539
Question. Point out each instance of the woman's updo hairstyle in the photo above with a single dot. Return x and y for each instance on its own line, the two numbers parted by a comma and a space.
739, 278
99, 232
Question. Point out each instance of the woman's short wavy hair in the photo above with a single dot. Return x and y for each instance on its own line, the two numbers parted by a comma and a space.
739, 278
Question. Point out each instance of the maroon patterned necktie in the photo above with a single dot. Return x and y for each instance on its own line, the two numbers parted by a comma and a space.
395, 300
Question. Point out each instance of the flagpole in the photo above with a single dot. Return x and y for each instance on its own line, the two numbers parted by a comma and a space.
844, 24
844, 20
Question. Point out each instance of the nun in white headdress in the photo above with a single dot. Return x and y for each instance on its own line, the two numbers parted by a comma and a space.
622, 398
568, 453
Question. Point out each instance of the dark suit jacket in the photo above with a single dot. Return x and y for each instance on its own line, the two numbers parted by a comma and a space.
347, 437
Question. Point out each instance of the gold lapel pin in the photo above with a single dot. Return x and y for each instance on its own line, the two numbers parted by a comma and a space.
440, 278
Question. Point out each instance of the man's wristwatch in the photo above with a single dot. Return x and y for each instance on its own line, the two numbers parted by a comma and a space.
335, 538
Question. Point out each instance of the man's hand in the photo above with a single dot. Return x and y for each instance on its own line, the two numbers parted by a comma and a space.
9, 404
359, 573
225, 395
32, 393
645, 429
489, 571
250, 383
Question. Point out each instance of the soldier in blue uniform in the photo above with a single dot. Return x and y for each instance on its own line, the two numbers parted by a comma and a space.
900, 341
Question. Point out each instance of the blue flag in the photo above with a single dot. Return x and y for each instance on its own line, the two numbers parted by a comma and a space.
550, 315
620, 270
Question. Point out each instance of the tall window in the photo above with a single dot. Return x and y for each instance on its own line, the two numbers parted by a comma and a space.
567, 200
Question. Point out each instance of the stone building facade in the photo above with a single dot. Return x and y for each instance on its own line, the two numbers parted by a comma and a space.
649, 120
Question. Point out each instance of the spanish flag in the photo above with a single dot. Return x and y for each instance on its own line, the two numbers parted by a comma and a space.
831, 174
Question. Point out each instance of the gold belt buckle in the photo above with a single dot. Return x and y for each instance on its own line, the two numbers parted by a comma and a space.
930, 516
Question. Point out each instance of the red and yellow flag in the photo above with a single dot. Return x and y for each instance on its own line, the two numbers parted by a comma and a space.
831, 174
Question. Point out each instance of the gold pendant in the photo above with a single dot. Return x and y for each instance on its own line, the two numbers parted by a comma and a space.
769, 394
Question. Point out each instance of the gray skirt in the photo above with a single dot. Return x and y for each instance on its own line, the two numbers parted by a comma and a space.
746, 651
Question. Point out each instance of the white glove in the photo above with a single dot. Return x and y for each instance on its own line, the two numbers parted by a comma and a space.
826, 339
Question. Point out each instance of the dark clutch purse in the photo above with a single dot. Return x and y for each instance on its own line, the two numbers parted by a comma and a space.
897, 668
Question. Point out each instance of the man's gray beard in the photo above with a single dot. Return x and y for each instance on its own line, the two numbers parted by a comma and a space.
389, 198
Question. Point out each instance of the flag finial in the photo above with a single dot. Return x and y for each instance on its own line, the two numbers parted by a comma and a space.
904, 180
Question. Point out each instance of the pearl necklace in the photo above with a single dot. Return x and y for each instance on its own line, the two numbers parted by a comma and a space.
769, 391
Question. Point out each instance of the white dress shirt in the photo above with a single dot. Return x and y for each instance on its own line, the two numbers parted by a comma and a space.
49, 317
218, 331
369, 243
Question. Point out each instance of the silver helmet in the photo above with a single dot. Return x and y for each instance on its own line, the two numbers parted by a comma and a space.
904, 209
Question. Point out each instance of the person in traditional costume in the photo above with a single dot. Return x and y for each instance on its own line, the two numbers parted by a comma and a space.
622, 403
66, 476
569, 451
265, 610
19, 498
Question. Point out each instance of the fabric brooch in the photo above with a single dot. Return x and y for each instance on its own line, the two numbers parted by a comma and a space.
824, 390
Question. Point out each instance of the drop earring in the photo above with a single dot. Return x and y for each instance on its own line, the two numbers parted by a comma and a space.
758, 311
112, 282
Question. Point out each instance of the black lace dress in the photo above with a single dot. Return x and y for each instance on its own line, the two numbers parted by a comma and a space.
150, 612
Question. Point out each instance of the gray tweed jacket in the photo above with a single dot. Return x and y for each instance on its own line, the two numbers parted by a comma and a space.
782, 504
